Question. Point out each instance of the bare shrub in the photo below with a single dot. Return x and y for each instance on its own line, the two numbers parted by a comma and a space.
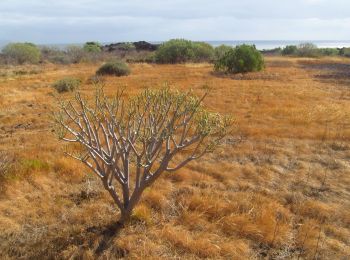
128, 145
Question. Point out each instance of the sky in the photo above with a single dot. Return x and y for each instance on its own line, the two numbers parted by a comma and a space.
76, 21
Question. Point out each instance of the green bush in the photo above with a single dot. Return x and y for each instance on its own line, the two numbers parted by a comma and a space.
202, 51
308, 50
221, 50
344, 52
328, 51
93, 47
22, 53
116, 68
175, 51
66, 84
180, 51
290, 50
241, 59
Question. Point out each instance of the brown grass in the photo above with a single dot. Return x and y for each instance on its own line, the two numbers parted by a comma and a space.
278, 187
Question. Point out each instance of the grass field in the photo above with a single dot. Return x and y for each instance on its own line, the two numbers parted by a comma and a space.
279, 187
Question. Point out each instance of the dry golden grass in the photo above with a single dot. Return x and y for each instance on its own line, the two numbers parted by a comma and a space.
277, 188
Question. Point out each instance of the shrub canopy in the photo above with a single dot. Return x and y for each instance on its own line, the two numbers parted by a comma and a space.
344, 52
92, 47
66, 84
307, 50
22, 53
290, 50
221, 50
241, 59
116, 68
180, 51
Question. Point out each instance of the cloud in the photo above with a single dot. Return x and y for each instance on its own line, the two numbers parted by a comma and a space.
110, 20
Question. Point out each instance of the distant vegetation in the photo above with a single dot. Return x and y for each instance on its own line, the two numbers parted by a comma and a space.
66, 84
180, 51
312, 51
20, 53
93, 47
221, 50
170, 52
115, 68
241, 59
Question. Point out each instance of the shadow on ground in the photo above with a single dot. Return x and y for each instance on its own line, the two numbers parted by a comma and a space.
329, 72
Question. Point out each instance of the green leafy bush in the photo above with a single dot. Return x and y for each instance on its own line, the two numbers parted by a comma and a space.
93, 47
202, 51
221, 50
22, 53
116, 68
241, 59
175, 51
328, 51
290, 50
181, 50
344, 52
66, 84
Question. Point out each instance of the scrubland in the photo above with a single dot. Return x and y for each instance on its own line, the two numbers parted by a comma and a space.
278, 188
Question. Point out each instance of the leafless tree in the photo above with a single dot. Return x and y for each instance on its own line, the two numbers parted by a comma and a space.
128, 144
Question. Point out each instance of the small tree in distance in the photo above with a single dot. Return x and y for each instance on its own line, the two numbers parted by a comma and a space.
241, 59
21, 53
129, 144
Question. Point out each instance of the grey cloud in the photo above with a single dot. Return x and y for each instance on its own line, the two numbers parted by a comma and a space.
109, 20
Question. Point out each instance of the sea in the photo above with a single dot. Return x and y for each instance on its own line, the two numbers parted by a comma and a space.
269, 45
260, 44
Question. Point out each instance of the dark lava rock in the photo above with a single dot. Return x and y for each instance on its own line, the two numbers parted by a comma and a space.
123, 46
145, 46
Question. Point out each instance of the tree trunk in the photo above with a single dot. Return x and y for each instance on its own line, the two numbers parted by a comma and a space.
125, 214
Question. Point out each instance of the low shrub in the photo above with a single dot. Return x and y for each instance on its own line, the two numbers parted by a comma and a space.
308, 50
66, 84
241, 59
221, 50
328, 51
181, 50
174, 51
96, 80
202, 51
290, 50
75, 53
116, 68
21, 53
92, 47
272, 52
344, 52
54, 55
